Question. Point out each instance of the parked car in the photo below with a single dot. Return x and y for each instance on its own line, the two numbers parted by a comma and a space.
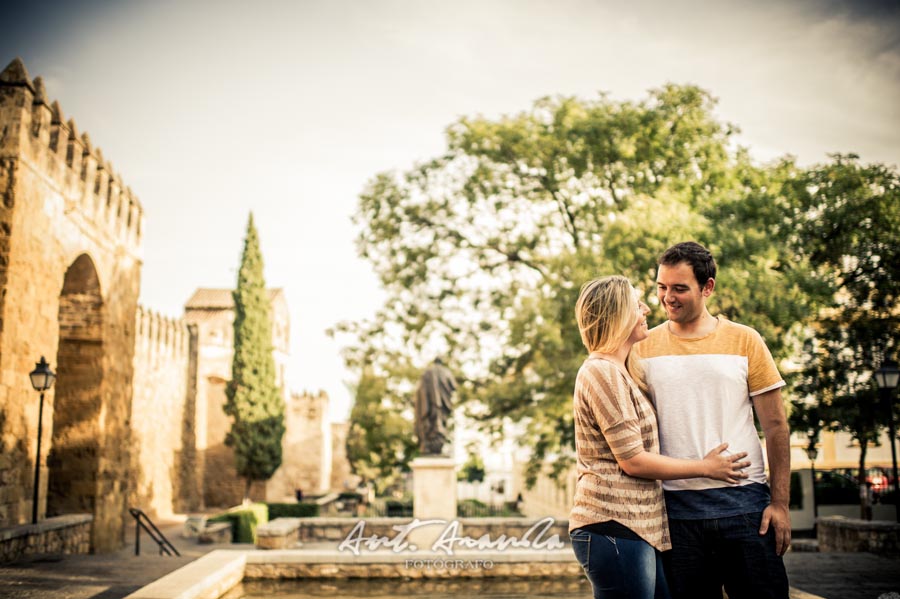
879, 477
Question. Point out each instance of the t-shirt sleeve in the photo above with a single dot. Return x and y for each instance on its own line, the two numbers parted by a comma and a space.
613, 409
762, 373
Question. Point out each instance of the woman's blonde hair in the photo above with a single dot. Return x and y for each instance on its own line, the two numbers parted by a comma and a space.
606, 312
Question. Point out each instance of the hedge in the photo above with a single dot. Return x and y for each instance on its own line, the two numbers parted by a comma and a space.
244, 520
398, 509
293, 510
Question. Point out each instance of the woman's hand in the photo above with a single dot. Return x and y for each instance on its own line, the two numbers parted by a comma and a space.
727, 468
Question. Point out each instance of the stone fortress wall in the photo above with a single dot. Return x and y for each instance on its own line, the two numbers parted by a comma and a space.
164, 455
134, 419
70, 242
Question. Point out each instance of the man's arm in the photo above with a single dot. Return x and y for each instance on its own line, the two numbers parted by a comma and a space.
770, 411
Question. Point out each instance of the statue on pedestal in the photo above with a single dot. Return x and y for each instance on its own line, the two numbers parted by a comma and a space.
433, 408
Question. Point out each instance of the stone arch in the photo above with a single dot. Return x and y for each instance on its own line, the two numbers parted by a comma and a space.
76, 446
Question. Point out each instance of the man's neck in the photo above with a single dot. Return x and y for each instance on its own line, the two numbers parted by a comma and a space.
700, 327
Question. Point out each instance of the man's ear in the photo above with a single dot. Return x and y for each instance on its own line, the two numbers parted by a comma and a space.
708, 287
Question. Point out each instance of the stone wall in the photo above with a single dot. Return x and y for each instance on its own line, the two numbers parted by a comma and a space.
162, 416
342, 478
555, 573
836, 533
63, 534
520, 573
70, 238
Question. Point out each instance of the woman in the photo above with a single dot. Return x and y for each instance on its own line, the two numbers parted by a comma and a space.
618, 522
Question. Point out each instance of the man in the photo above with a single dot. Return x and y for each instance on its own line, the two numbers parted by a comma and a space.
706, 375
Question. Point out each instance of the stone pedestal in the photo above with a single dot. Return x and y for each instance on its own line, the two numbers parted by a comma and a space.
434, 497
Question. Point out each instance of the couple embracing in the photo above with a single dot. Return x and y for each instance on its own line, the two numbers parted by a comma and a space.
675, 404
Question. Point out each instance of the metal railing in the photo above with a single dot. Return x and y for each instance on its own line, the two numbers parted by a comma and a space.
141, 520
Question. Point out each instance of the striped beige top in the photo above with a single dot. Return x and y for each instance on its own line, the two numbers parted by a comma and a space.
614, 419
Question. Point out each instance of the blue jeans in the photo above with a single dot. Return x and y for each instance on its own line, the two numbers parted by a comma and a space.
709, 554
620, 568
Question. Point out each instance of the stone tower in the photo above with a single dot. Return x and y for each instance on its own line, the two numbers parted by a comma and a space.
211, 311
70, 264
307, 462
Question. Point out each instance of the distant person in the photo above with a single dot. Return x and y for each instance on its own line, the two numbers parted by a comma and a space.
707, 375
618, 522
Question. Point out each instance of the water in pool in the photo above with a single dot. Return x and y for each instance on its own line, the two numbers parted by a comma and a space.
489, 588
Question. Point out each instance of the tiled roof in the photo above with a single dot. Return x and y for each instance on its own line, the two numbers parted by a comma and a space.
220, 299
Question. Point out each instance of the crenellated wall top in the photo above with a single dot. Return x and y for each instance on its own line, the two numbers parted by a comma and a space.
34, 124
308, 397
162, 333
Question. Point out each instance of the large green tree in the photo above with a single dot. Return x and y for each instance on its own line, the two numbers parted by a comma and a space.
846, 224
380, 442
254, 401
482, 250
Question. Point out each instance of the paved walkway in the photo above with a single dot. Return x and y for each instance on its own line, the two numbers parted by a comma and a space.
843, 575
115, 575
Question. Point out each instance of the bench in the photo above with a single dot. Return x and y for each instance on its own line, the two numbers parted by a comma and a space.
215, 532
280, 533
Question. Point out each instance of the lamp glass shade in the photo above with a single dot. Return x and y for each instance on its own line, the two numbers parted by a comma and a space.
42, 377
812, 453
888, 375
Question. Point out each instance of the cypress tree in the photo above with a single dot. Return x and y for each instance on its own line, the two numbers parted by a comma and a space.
253, 399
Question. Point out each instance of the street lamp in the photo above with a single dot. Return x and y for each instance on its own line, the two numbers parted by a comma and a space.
812, 453
41, 379
887, 377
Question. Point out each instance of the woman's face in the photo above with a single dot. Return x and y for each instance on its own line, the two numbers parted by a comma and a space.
640, 330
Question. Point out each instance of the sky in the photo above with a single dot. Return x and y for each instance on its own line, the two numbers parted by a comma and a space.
210, 110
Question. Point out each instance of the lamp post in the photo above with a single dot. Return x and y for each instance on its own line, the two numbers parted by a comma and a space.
41, 379
887, 377
812, 453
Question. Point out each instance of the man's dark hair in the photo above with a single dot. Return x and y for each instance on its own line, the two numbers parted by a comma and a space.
701, 260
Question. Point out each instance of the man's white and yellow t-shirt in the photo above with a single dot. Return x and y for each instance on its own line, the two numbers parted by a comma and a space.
702, 389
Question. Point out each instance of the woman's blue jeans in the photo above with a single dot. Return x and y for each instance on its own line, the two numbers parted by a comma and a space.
620, 568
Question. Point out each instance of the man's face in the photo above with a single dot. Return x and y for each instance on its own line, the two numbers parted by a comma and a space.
680, 294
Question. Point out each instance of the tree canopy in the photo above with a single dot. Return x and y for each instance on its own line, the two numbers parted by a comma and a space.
253, 400
847, 228
482, 250
380, 442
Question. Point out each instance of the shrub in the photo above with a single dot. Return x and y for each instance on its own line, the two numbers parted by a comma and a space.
244, 520
293, 510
